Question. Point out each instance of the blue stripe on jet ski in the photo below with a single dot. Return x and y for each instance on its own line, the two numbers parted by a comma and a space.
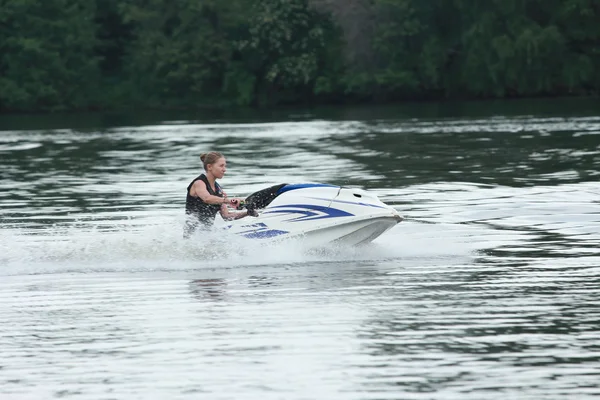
259, 231
287, 188
308, 215
259, 234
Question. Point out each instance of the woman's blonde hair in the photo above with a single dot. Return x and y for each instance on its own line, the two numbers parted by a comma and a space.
210, 158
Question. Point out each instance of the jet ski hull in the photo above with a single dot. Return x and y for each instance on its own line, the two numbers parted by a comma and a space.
352, 233
317, 214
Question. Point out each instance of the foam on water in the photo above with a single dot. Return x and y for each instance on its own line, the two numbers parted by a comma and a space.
158, 245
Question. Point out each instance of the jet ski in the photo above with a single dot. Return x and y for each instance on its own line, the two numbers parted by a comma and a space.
320, 214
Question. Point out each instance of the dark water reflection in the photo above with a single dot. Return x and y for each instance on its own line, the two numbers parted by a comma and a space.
511, 153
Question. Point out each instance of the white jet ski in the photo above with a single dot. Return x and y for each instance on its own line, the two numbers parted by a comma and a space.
320, 214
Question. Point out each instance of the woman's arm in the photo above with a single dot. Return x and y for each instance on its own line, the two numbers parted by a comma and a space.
198, 189
228, 215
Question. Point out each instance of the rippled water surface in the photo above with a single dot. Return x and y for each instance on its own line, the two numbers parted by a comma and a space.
490, 289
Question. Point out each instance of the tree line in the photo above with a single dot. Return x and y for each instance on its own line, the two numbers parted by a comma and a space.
102, 54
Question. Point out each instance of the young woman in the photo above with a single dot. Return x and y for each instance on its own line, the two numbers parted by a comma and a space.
205, 198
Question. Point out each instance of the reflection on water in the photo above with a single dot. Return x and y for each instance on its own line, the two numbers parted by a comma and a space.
488, 289
208, 289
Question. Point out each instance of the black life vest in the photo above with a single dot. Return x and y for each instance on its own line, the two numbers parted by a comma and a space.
203, 212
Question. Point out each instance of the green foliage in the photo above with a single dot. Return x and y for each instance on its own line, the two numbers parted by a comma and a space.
285, 49
400, 36
498, 48
180, 50
239, 84
68, 54
511, 57
47, 58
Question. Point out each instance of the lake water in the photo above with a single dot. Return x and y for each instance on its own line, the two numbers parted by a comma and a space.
490, 289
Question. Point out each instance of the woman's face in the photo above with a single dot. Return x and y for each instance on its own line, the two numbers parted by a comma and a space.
219, 168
